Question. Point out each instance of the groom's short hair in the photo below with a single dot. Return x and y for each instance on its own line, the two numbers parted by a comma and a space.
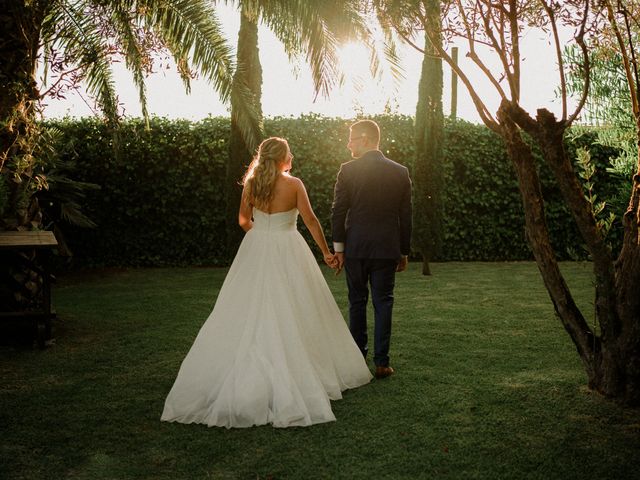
367, 128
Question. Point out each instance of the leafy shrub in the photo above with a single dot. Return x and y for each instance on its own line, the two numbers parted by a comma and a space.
161, 195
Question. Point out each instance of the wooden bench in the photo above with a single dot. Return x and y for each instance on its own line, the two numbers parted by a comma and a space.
21, 246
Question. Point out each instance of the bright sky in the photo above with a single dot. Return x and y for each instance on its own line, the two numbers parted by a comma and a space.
288, 90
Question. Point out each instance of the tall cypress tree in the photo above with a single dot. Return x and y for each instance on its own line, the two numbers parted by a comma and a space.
429, 131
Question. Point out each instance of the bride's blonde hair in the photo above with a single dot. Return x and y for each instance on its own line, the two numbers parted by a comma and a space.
260, 178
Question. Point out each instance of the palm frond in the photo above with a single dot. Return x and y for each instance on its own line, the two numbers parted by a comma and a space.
189, 29
71, 29
192, 33
123, 20
392, 56
315, 30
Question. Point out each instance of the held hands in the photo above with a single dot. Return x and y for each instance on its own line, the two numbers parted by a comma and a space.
335, 261
330, 259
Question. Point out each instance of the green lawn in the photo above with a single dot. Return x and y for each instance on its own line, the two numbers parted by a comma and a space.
488, 385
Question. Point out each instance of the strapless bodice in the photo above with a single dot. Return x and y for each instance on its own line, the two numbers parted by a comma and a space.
281, 221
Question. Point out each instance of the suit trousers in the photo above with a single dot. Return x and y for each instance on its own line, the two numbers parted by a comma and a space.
380, 274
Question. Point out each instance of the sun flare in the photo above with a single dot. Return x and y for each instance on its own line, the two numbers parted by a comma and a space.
362, 89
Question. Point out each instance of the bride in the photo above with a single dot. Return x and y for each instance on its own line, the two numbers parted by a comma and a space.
275, 349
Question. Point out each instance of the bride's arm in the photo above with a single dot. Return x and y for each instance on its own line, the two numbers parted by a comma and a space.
309, 218
246, 212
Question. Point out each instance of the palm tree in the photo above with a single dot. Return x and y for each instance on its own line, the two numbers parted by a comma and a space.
78, 39
313, 30
82, 37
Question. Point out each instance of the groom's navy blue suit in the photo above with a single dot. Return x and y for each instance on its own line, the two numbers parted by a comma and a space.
371, 216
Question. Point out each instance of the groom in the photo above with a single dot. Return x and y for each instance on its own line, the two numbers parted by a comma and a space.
371, 228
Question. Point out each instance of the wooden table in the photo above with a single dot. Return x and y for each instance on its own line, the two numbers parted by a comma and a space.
32, 250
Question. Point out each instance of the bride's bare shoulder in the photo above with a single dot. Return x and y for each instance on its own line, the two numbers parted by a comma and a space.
291, 181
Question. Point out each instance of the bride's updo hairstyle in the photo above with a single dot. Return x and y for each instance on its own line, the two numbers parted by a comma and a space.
264, 170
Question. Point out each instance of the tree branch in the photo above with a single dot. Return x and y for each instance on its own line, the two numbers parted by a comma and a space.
473, 54
500, 50
515, 47
634, 62
520, 117
586, 69
406, 39
482, 109
467, 27
625, 58
556, 40
63, 75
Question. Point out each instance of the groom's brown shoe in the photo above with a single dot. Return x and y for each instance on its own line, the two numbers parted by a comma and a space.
383, 372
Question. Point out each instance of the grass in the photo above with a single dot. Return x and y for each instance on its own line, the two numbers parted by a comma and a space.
488, 386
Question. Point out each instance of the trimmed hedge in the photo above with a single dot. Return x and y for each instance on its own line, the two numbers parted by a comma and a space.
161, 197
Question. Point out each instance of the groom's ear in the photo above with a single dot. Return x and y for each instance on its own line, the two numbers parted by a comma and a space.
370, 143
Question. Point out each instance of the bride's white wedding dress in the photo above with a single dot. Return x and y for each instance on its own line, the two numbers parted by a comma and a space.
275, 348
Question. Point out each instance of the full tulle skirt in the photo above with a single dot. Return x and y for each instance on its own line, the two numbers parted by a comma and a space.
275, 349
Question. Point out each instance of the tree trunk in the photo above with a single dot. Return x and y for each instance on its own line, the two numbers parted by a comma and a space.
627, 282
248, 76
611, 358
538, 235
550, 136
20, 28
429, 131
610, 363
426, 268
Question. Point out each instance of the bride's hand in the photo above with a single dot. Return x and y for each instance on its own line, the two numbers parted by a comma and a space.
330, 259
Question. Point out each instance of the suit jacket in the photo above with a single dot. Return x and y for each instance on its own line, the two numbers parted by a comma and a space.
371, 211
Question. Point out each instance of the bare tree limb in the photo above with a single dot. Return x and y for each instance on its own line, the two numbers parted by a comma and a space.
475, 41
467, 27
63, 75
500, 50
586, 69
473, 55
625, 58
406, 39
482, 109
634, 62
556, 40
515, 48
